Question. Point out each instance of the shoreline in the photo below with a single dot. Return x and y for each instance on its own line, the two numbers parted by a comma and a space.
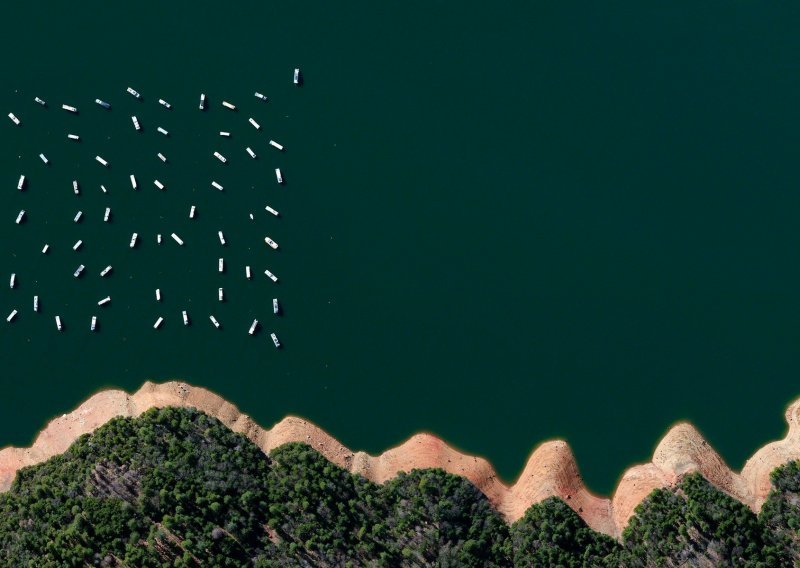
551, 469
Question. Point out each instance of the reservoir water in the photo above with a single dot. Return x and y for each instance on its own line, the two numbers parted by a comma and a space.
499, 224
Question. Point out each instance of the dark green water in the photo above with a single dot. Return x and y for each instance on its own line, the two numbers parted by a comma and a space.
500, 224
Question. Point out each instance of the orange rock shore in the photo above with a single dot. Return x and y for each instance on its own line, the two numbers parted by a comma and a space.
550, 471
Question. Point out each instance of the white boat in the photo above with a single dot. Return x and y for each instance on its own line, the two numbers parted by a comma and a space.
105, 271
250, 151
220, 295
260, 96
216, 185
21, 183
185, 317
271, 210
13, 281
103, 188
158, 323
102, 103
94, 323
77, 217
220, 157
252, 217
202, 101
214, 321
58, 323
107, 214
36, 303
158, 184
75, 189
164, 103
275, 145
134, 236
226, 134
226, 104
101, 160
134, 93
136, 123
296, 78
221, 238
45, 248
191, 212
275, 340
271, 276
70, 108
40, 101
271, 243
133, 181
78, 271
158, 238
247, 272
275, 307
278, 175
43, 158
73, 137
256, 125
13, 118
177, 239
104, 301
158, 294
162, 131
20, 216
11, 316
253, 327
77, 244
221, 265
161, 157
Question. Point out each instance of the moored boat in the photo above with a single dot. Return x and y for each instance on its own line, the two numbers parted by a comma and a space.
134, 93
275, 340
271, 243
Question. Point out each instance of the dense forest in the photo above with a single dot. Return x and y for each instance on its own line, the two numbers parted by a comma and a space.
175, 487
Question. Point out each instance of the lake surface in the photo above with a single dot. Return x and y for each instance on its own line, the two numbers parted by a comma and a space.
501, 225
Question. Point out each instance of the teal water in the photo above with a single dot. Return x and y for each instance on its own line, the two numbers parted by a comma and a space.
500, 224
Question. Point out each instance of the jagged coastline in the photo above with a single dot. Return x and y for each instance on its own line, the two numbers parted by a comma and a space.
551, 469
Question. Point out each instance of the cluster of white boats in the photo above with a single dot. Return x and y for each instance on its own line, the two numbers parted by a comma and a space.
21, 184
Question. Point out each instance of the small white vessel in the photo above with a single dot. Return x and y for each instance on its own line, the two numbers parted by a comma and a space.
44, 158
101, 160
214, 321
36, 303
158, 294
216, 185
177, 239
271, 243
13, 281
58, 323
40, 101
275, 340
260, 96
78, 271
271, 210
202, 101
252, 217
185, 317
220, 157
247, 272
11, 316
104, 301
136, 123
75, 189
221, 265
134, 236
94, 323
73, 137
13, 118
158, 323
77, 217
78, 244
105, 271
45, 248
21, 183
226, 134
226, 104
161, 157
256, 125
164, 103
296, 77
71, 109
158, 184
133, 181
250, 151
220, 295
158, 238
191, 212
271, 276
106, 214
103, 188
221, 238
134, 93
20, 216
275, 307
278, 175
275, 145
162, 131
102, 103
253, 327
